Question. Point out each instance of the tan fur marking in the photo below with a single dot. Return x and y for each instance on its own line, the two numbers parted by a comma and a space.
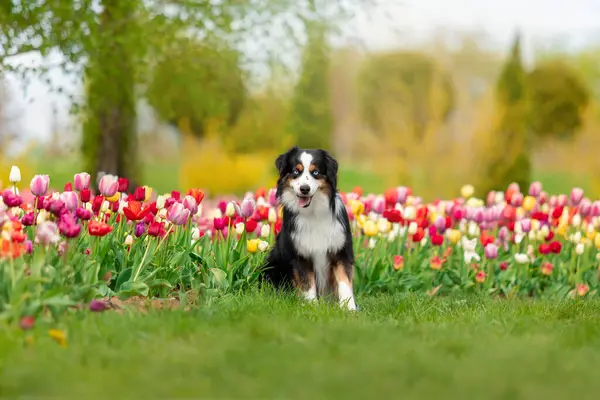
312, 167
300, 167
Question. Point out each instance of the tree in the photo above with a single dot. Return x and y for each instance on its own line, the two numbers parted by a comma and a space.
557, 98
412, 83
509, 159
196, 81
311, 119
111, 43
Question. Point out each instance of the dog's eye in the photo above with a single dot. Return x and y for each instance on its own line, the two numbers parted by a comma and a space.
296, 172
315, 173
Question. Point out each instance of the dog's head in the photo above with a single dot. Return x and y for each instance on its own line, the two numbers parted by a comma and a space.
306, 177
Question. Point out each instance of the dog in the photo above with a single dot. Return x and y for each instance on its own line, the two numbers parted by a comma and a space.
313, 252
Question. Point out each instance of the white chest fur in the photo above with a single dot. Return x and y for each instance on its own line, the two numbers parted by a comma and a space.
318, 232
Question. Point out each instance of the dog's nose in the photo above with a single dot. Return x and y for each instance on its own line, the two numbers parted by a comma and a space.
305, 189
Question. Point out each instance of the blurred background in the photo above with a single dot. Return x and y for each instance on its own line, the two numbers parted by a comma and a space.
186, 93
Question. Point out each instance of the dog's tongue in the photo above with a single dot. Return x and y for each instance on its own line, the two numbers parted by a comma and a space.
303, 201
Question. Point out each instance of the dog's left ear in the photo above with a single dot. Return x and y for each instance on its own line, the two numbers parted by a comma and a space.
331, 165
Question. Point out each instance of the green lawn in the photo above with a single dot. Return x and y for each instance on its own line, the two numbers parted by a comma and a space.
257, 346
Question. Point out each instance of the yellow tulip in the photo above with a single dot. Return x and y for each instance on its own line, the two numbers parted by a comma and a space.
561, 230
467, 191
453, 235
529, 203
597, 240
59, 336
361, 219
370, 228
252, 245
114, 198
357, 207
148, 193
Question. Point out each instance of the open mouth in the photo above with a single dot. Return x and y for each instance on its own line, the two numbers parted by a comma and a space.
304, 201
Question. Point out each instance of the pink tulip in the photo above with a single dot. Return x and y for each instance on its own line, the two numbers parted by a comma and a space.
82, 181
272, 197
401, 194
108, 185
190, 203
39, 185
535, 189
576, 196
491, 251
178, 214
70, 199
247, 207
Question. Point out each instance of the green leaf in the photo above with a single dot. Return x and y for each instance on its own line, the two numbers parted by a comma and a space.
219, 276
123, 277
159, 283
129, 289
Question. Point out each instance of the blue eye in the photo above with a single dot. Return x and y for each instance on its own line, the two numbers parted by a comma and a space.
296, 172
315, 173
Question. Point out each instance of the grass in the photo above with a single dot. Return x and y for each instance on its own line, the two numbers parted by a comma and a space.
258, 346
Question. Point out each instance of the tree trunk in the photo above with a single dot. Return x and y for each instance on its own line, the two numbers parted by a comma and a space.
109, 144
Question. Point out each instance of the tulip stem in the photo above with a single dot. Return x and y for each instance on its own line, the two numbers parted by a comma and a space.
137, 272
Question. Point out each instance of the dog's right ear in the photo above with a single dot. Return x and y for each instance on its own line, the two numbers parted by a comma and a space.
281, 160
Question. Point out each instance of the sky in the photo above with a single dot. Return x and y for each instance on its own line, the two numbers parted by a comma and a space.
393, 23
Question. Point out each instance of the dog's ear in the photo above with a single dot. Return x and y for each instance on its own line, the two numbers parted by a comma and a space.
281, 160
331, 165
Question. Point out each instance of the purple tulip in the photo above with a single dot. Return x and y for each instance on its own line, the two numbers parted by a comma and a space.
140, 228
190, 203
70, 200
98, 305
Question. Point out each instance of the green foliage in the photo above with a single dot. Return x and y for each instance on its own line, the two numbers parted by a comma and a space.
311, 119
557, 98
408, 81
197, 81
510, 159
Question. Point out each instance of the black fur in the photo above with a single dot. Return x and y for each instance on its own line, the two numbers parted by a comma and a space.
284, 263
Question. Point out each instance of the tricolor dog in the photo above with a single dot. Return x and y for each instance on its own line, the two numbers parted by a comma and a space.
313, 251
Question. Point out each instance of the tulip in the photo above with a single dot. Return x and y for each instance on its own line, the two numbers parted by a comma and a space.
247, 207
467, 191
402, 193
47, 233
263, 246
521, 258
123, 185
546, 268
82, 181
68, 226
26, 323
576, 196
178, 214
15, 175
535, 189
252, 245
190, 203
398, 262
98, 305
140, 228
108, 185
265, 230
491, 251
480, 276
39, 185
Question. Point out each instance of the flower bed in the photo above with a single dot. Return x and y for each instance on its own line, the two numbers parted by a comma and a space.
62, 250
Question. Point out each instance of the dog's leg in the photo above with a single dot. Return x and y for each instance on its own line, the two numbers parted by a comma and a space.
343, 280
304, 280
311, 293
